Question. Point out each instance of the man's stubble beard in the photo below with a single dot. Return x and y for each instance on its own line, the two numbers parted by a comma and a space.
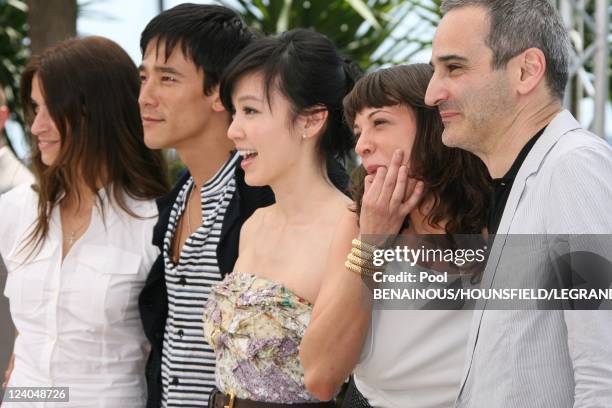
480, 123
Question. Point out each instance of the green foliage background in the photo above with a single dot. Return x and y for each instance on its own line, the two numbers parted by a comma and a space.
14, 51
359, 28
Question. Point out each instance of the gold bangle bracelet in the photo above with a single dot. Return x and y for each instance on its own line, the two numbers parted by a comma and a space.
364, 246
356, 269
363, 263
362, 254
364, 266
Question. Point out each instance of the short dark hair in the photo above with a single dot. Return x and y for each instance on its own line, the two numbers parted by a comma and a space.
209, 35
308, 70
457, 180
516, 25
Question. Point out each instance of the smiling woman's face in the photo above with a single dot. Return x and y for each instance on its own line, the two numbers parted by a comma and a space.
43, 128
262, 132
381, 131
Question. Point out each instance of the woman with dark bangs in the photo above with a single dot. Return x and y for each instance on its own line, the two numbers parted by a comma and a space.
286, 94
77, 245
409, 182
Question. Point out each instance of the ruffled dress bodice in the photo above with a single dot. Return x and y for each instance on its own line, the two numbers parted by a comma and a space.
255, 327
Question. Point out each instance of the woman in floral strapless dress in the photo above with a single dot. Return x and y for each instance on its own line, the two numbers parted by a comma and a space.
286, 95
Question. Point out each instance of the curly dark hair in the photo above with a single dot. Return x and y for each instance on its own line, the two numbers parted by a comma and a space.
457, 180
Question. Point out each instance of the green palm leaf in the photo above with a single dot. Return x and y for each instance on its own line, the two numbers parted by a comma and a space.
358, 27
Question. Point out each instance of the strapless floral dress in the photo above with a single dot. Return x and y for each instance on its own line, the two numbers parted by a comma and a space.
255, 327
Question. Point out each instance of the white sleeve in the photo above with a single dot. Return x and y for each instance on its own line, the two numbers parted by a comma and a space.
17, 213
7, 224
581, 203
7, 236
580, 195
589, 337
150, 251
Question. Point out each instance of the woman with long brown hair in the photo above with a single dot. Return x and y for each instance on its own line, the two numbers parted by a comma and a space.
77, 243
411, 185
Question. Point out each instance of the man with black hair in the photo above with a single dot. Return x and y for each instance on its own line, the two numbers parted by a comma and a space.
12, 171
184, 51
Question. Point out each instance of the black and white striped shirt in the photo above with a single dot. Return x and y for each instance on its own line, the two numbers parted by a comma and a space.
188, 363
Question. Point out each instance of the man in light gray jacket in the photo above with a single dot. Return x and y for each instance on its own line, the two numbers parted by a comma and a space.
501, 68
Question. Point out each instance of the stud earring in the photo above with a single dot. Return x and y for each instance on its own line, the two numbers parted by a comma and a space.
304, 136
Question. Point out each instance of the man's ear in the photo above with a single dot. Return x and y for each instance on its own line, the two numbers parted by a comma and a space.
217, 106
314, 120
530, 69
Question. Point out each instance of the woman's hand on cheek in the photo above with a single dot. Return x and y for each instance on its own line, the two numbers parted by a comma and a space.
389, 196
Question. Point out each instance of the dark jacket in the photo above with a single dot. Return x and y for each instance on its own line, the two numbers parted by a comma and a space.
153, 300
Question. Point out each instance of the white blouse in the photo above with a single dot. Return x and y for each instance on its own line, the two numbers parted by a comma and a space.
78, 320
413, 358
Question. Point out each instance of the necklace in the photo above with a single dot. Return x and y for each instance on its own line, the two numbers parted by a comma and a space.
176, 241
73, 233
72, 238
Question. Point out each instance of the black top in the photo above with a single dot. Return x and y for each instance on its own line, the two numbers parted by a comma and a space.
502, 186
